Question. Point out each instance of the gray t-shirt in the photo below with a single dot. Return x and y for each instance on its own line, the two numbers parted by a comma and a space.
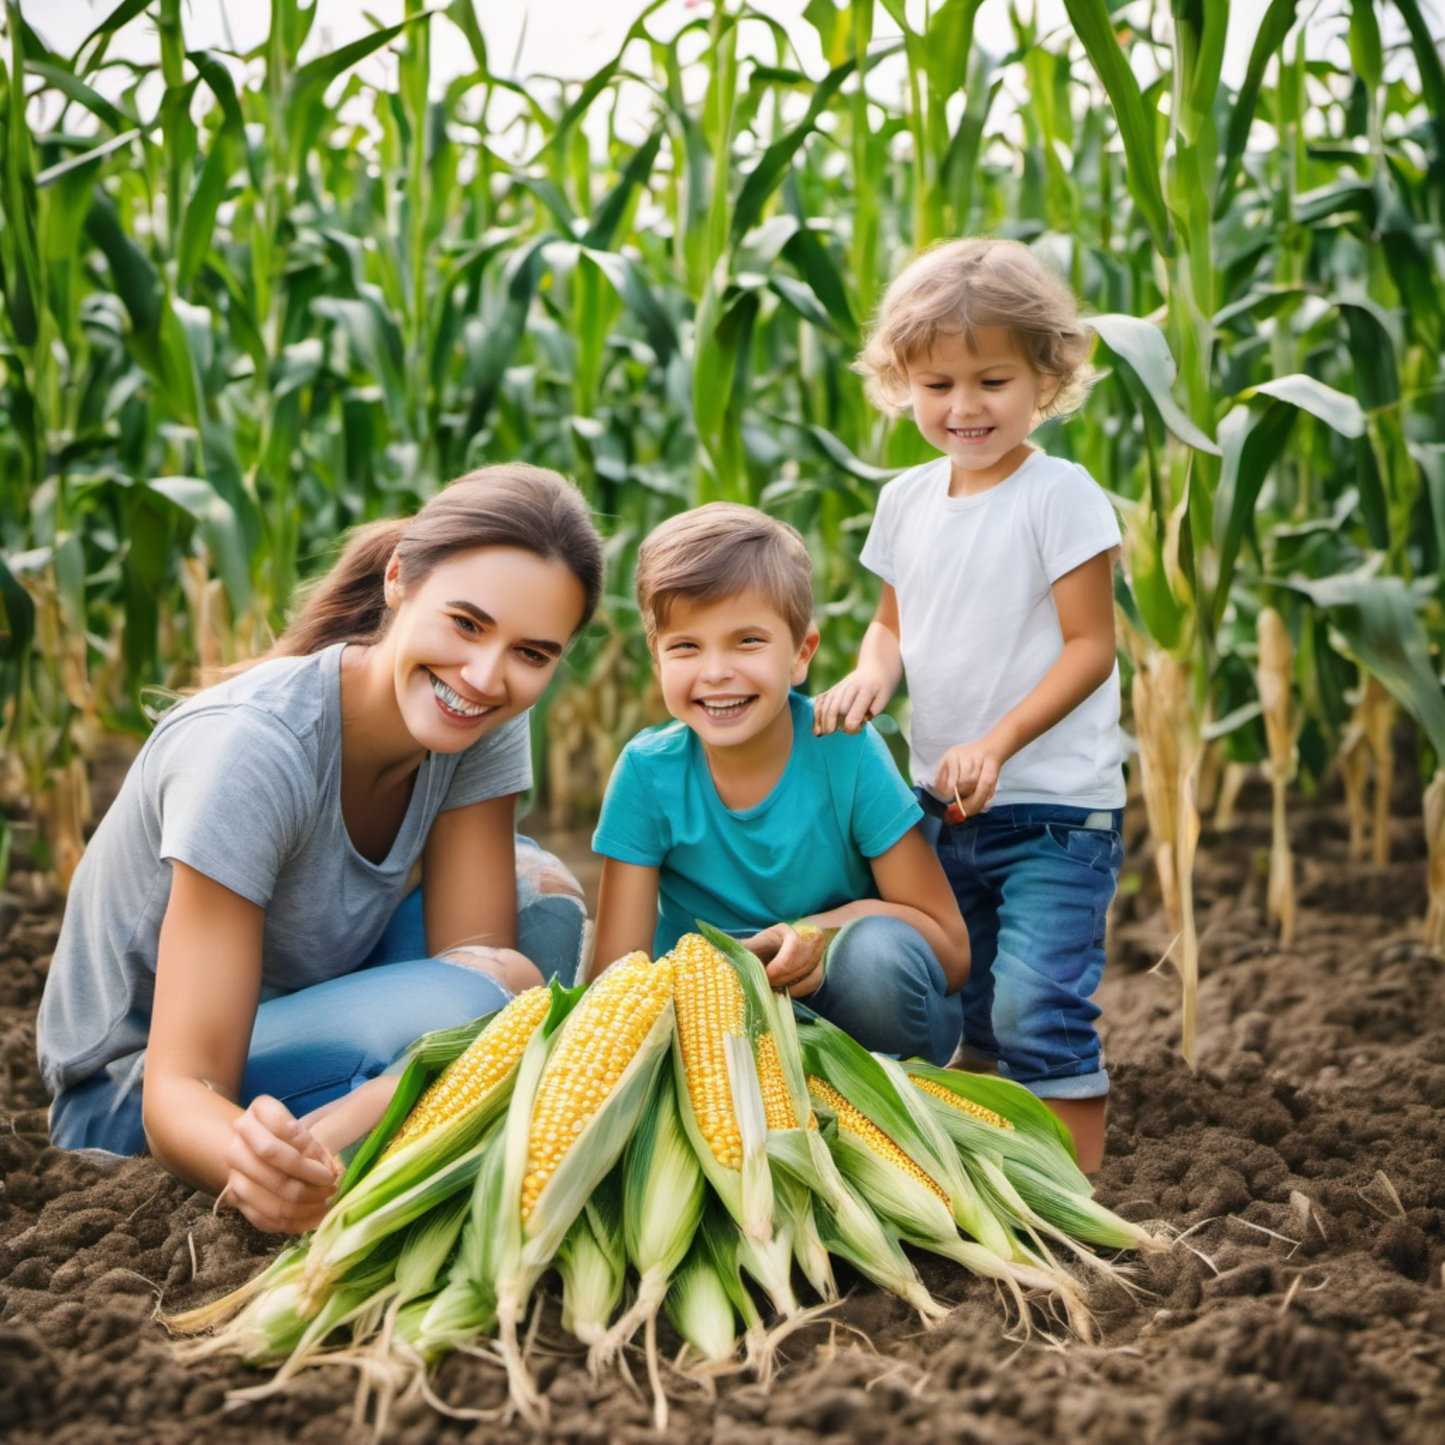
242, 782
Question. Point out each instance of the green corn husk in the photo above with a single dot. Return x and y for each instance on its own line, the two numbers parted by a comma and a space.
701, 1310
662, 1202
1036, 1156
392, 1190
838, 1217
525, 1248
766, 1249
925, 1216
592, 1262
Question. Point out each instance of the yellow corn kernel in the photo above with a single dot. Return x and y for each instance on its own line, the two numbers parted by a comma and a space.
777, 1103
861, 1126
598, 1041
965, 1106
710, 1005
478, 1069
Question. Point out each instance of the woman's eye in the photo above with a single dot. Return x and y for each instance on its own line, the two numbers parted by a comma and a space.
532, 657
465, 624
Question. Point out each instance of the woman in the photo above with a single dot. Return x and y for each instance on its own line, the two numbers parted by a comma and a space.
234, 961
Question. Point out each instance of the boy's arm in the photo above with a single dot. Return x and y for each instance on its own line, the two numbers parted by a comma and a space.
1085, 602
912, 886
867, 690
626, 913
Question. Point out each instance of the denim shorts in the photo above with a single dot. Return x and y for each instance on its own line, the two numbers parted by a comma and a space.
1034, 882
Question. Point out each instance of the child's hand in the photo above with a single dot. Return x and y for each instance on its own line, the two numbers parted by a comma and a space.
279, 1175
969, 771
792, 958
849, 704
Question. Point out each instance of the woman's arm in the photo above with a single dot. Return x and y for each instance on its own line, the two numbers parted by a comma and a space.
626, 913
867, 690
1084, 599
469, 876
208, 981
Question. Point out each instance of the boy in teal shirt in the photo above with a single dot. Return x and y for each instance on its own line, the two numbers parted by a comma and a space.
737, 814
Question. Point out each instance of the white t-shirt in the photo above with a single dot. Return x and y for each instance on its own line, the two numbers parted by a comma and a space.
242, 782
979, 628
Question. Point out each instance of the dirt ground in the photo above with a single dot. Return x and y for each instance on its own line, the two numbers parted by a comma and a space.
1302, 1164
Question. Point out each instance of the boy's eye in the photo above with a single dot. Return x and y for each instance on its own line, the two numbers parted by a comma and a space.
994, 383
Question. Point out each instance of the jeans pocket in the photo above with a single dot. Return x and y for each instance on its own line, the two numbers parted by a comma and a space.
1098, 848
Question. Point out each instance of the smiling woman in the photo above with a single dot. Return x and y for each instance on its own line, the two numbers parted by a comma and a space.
240, 954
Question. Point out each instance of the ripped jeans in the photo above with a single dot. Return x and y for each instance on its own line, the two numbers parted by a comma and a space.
316, 1044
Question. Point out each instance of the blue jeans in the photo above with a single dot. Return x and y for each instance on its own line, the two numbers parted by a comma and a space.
316, 1044
885, 987
1034, 882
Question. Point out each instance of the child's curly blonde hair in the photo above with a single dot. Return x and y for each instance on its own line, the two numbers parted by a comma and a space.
957, 286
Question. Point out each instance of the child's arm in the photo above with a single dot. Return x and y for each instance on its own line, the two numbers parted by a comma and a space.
626, 913
911, 885
1085, 602
866, 691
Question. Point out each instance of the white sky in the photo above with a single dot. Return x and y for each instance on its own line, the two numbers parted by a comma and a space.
569, 38
573, 38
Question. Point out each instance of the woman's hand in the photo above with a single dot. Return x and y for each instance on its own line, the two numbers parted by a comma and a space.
791, 957
278, 1174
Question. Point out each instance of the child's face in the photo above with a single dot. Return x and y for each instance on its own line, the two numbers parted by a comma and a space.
977, 405
726, 667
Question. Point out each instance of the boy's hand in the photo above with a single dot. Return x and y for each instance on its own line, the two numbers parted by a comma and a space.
792, 958
971, 772
850, 704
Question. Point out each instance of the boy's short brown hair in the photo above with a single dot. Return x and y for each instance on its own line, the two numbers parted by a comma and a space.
956, 286
718, 550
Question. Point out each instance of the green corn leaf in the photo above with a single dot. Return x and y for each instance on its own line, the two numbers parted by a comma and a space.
1094, 26
1143, 347
1380, 623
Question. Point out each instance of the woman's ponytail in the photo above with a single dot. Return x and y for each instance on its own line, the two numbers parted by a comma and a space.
348, 604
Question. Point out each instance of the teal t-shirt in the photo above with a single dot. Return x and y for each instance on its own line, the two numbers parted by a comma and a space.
803, 849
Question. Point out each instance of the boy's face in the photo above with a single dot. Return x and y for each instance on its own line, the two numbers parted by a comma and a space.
726, 667
977, 405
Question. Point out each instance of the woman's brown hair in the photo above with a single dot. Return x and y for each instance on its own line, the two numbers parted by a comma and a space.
508, 505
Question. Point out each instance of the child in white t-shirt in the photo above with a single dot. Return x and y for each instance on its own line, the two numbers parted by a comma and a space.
997, 604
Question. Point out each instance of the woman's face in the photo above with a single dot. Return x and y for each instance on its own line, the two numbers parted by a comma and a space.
477, 640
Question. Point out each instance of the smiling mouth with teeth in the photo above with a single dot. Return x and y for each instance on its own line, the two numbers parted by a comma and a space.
453, 700
971, 433
731, 708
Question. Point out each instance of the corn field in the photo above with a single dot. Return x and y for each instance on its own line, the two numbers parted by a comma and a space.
256, 299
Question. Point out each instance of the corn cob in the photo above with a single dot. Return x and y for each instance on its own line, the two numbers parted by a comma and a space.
489, 1058
710, 1006
966, 1106
862, 1127
597, 1044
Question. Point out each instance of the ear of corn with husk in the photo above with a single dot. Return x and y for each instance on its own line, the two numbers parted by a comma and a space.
602, 1146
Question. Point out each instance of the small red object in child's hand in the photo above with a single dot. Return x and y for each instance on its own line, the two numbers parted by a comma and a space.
956, 813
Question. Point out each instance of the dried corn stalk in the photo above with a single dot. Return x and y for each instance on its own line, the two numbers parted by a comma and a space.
1275, 675
1169, 745
1435, 841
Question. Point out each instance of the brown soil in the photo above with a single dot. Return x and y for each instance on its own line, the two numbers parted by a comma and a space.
1302, 1163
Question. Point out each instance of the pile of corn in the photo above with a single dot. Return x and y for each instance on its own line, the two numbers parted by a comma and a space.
669, 1139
